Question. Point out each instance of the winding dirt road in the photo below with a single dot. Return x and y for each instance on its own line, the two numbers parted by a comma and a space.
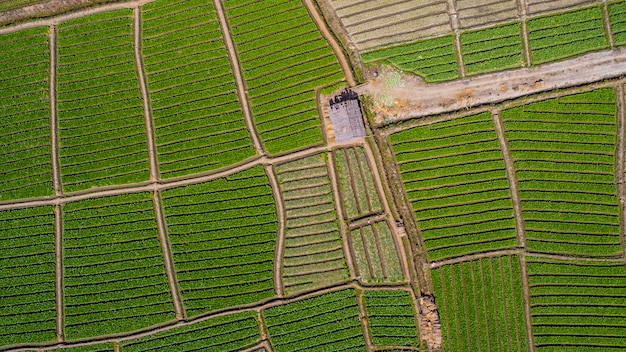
414, 98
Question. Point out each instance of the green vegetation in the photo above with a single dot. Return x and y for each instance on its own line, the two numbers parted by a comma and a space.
313, 255
284, 59
114, 275
101, 126
223, 235
454, 176
564, 158
375, 252
492, 49
329, 322
231, 333
27, 295
8, 5
577, 306
108, 347
198, 121
25, 159
563, 35
391, 318
617, 16
481, 305
358, 191
433, 59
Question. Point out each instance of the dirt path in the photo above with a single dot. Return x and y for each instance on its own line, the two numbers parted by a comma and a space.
280, 240
511, 175
241, 84
166, 249
54, 119
526, 300
143, 86
416, 99
321, 25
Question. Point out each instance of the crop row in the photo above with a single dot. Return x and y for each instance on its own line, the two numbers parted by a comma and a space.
391, 318
271, 37
375, 253
328, 322
233, 332
101, 126
27, 280
560, 156
199, 124
223, 235
455, 179
492, 49
114, 274
577, 306
356, 182
480, 305
313, 256
25, 159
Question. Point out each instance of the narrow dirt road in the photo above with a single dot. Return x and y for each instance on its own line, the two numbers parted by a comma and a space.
54, 118
414, 98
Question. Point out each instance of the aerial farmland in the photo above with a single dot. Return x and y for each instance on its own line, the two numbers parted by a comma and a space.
312, 175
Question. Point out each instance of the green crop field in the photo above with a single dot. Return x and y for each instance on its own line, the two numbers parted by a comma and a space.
329, 322
358, 192
564, 158
313, 255
102, 136
456, 181
481, 305
375, 254
223, 235
284, 59
25, 159
617, 18
391, 318
198, 119
492, 49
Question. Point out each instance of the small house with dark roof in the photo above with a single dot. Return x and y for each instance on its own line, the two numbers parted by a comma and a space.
346, 116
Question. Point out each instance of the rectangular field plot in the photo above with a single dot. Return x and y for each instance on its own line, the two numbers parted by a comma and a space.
232, 332
223, 235
492, 49
27, 276
329, 322
391, 318
542, 6
101, 126
198, 121
563, 151
577, 306
481, 305
617, 16
313, 256
284, 59
358, 191
114, 274
563, 35
432, 59
375, 23
475, 13
376, 254
104, 347
454, 176
25, 158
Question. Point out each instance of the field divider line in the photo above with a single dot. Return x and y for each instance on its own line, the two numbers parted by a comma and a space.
334, 184
456, 27
522, 10
360, 302
606, 19
58, 268
54, 118
242, 91
621, 149
145, 95
168, 260
280, 239
526, 301
512, 177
